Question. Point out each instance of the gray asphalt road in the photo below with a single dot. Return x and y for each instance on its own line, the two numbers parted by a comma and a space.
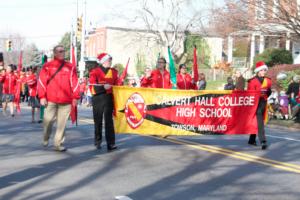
145, 168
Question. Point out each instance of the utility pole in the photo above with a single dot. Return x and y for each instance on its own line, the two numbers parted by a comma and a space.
75, 35
71, 41
82, 52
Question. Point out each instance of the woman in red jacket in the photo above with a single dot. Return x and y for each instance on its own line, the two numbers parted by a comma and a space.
184, 80
31, 81
262, 84
9, 81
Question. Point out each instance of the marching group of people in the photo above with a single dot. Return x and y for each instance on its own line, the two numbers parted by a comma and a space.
58, 89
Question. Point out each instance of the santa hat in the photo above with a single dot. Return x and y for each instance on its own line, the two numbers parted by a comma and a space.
102, 57
260, 65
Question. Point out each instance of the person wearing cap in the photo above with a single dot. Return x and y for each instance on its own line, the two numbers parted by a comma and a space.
184, 80
9, 80
262, 84
58, 88
159, 78
102, 78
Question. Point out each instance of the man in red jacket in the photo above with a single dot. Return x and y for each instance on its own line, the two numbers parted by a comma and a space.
159, 78
58, 88
9, 81
262, 84
102, 78
31, 81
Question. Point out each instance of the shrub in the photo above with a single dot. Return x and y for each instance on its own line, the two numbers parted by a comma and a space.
290, 70
274, 57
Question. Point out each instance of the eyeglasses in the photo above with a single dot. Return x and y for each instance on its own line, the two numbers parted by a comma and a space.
161, 62
61, 51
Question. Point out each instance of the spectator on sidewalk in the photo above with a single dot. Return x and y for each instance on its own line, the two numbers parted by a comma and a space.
292, 91
284, 105
230, 85
201, 85
239, 81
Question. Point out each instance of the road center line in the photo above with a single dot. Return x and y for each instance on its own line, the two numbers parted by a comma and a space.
227, 152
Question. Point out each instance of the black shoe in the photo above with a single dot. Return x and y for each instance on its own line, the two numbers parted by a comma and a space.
252, 143
264, 146
111, 147
40, 121
13, 115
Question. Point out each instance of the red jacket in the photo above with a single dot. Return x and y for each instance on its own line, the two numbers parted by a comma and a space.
9, 81
63, 88
100, 75
144, 82
264, 87
157, 80
185, 82
31, 81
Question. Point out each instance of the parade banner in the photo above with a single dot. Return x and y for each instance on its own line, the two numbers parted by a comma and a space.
165, 112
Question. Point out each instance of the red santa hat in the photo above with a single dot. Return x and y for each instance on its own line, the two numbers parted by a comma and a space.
102, 57
260, 65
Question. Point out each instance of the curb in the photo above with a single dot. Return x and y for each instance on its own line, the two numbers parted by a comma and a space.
283, 127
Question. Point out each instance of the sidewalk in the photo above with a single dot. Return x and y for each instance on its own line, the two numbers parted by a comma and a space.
288, 124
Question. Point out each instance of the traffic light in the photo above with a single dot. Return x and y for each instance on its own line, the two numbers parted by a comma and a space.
8, 45
79, 28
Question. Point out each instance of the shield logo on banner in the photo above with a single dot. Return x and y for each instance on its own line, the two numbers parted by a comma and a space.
135, 110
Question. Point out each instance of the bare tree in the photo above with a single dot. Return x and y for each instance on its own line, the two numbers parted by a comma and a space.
167, 21
271, 15
231, 17
30, 52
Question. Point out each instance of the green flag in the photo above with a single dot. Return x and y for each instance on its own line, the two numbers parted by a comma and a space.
42, 109
172, 69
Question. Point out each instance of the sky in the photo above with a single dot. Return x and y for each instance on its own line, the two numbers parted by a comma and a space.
44, 22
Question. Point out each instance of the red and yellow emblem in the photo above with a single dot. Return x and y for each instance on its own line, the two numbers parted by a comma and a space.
135, 110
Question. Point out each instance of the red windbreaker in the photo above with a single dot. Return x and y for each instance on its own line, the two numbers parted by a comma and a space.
184, 82
31, 81
63, 88
98, 76
9, 81
157, 80
264, 87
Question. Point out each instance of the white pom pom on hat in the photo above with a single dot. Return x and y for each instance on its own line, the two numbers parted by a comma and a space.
102, 57
260, 65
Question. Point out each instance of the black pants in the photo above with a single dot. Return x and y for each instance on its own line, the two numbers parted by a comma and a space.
260, 122
103, 106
